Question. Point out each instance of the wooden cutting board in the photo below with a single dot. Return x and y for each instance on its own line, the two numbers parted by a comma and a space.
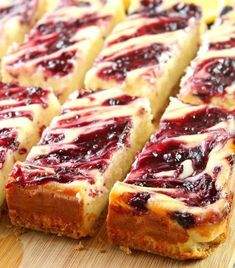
38, 250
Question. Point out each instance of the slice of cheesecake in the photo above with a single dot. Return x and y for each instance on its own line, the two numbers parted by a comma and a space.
63, 186
62, 46
177, 199
24, 113
148, 52
211, 77
16, 19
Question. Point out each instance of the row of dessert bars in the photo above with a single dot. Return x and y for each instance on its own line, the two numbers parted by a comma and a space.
71, 27
24, 113
62, 46
177, 199
64, 184
16, 19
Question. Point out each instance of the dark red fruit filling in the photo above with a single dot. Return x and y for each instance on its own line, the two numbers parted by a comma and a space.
8, 139
223, 45
220, 74
24, 95
31, 175
179, 10
194, 122
2, 157
161, 26
61, 65
169, 155
89, 151
51, 138
56, 36
138, 201
74, 3
120, 100
136, 58
151, 3
15, 114
24, 9
185, 219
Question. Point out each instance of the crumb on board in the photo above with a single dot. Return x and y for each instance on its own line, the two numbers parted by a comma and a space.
18, 231
79, 246
126, 250
102, 250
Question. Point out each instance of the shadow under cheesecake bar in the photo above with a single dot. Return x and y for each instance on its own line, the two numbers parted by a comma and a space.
177, 199
60, 49
147, 53
16, 19
63, 185
210, 79
24, 113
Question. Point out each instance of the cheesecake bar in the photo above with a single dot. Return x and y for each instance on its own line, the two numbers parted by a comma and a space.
211, 76
148, 52
63, 185
177, 199
60, 49
24, 113
16, 19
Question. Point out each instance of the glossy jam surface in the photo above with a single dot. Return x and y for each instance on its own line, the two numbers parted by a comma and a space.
153, 8
177, 167
8, 139
120, 100
169, 155
23, 95
223, 44
194, 122
55, 36
134, 59
160, 26
212, 77
23, 9
91, 151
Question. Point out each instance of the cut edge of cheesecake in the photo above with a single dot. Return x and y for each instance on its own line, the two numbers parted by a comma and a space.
154, 226
68, 210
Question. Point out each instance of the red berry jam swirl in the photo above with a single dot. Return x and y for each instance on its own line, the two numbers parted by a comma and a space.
23, 95
154, 9
195, 122
8, 139
169, 155
165, 153
25, 10
3, 154
56, 36
133, 59
223, 44
163, 25
212, 77
91, 150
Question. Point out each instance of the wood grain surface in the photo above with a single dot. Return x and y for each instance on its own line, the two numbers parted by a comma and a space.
38, 250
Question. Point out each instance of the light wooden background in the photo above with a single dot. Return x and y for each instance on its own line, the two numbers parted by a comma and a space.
38, 250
